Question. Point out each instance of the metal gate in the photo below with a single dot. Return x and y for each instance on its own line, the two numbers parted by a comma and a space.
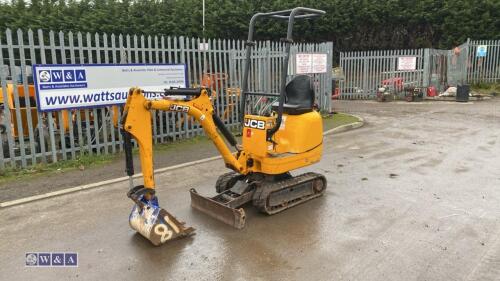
436, 69
365, 72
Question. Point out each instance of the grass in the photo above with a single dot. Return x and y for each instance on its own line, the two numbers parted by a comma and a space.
85, 161
81, 162
486, 88
338, 119
330, 121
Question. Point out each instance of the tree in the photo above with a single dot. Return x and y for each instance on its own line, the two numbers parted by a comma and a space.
350, 24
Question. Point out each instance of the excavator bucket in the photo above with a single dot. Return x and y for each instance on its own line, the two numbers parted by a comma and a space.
221, 211
155, 223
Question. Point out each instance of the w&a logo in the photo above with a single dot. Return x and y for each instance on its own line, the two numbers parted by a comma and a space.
51, 259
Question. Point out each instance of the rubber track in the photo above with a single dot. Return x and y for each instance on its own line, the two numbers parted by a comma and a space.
225, 179
262, 194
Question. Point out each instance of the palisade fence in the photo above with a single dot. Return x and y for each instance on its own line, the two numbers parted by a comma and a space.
484, 69
29, 136
364, 71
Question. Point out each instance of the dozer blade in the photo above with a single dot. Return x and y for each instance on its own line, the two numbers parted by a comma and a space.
156, 224
217, 210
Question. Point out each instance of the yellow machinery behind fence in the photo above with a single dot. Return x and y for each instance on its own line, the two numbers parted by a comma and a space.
291, 137
23, 108
27, 111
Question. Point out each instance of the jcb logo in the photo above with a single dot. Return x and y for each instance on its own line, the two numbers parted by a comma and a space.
256, 124
181, 108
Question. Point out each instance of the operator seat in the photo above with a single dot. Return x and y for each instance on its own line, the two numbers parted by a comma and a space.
299, 96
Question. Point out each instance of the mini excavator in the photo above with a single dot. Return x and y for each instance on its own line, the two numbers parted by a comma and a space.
289, 138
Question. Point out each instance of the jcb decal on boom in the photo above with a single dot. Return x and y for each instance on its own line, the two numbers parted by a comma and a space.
180, 108
256, 124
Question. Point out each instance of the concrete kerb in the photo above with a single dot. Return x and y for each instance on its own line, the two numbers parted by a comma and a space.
339, 129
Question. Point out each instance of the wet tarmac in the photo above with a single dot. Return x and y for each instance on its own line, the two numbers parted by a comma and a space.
413, 195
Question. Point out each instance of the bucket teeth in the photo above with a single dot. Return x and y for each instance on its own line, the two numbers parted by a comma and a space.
231, 216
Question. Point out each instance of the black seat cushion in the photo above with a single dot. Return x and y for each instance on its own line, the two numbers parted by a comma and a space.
299, 96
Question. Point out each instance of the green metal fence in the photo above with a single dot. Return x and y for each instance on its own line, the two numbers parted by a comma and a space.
29, 136
364, 71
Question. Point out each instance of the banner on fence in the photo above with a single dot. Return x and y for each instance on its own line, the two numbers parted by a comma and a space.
310, 63
72, 86
407, 63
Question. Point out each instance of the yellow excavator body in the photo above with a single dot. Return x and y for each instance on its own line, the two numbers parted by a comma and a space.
298, 142
273, 145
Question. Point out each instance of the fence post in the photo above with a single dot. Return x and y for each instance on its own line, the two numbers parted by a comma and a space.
328, 76
426, 66
8, 118
342, 71
17, 105
267, 67
365, 74
465, 64
27, 101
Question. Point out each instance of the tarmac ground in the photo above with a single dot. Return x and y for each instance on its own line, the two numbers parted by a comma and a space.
412, 195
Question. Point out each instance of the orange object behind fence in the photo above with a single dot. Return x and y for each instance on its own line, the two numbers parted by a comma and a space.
213, 80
